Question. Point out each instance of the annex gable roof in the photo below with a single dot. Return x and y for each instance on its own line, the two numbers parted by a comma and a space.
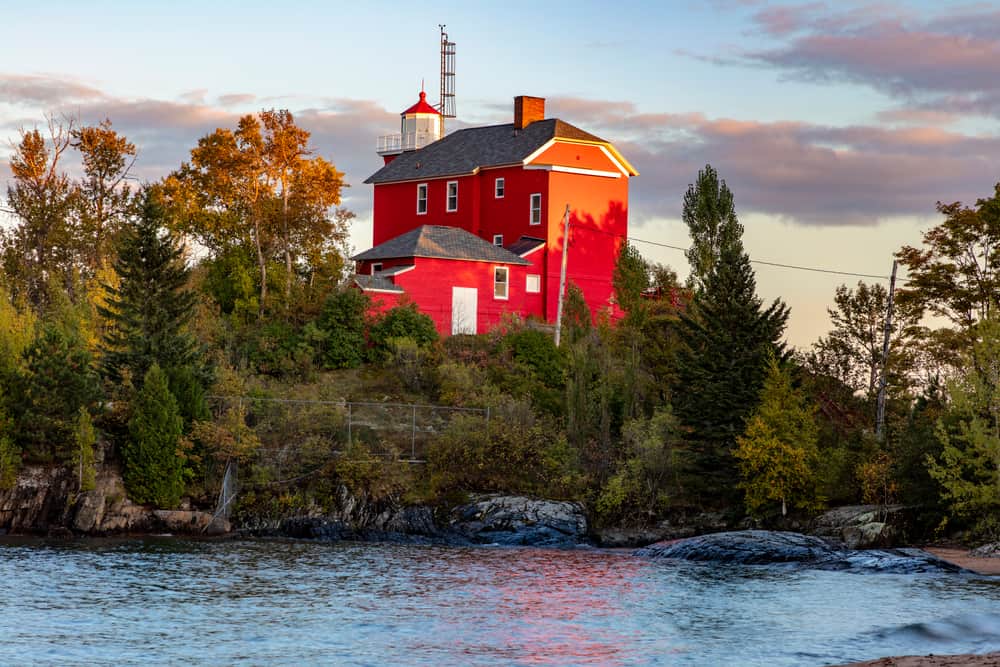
465, 151
376, 283
441, 242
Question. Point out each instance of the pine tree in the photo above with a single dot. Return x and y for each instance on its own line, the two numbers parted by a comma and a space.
58, 381
84, 457
149, 311
968, 467
710, 215
777, 454
10, 454
725, 339
153, 469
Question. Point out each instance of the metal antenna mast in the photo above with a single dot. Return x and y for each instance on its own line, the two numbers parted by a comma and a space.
446, 105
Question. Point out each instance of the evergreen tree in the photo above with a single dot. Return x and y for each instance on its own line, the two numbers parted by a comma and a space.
148, 313
777, 454
710, 215
725, 339
968, 468
58, 381
153, 469
630, 280
84, 457
10, 454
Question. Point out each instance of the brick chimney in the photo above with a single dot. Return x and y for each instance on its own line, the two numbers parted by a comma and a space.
527, 110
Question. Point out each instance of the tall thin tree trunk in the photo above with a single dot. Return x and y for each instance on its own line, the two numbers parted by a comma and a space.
263, 268
288, 249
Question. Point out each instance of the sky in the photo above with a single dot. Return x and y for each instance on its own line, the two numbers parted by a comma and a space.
838, 126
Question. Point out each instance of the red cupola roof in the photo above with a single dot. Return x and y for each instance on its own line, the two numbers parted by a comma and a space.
421, 106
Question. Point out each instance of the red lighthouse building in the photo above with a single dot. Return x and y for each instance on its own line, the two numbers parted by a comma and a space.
469, 226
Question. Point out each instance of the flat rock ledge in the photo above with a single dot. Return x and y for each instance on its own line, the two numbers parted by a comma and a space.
485, 520
763, 547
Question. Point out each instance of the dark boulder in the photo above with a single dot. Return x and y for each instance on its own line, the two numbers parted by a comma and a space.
762, 547
745, 547
520, 521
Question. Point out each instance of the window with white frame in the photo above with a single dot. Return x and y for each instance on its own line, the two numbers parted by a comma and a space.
376, 267
452, 202
499, 188
421, 199
498, 240
536, 209
533, 284
500, 275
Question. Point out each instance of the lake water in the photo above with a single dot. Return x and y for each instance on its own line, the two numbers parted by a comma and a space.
167, 601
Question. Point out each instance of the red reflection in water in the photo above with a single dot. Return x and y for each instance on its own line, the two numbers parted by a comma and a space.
551, 607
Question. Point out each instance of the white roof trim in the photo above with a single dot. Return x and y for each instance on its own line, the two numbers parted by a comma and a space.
396, 270
574, 170
614, 160
541, 244
541, 149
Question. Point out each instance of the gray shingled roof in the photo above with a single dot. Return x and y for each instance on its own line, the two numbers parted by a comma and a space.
442, 242
376, 282
524, 244
464, 151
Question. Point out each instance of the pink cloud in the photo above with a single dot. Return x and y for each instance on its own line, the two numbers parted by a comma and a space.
805, 173
950, 62
236, 99
25, 90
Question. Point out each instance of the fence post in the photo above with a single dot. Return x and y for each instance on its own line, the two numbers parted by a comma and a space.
349, 441
413, 436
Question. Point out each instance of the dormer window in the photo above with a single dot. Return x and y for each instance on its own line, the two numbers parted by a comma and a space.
452, 201
498, 188
422, 199
498, 240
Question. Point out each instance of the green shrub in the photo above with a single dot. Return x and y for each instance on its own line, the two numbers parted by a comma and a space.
538, 352
272, 347
404, 321
153, 468
343, 321
651, 475
377, 478
510, 453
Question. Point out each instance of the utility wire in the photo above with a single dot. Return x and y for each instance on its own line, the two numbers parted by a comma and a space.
752, 261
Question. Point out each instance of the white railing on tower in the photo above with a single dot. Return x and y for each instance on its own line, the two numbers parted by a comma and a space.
411, 141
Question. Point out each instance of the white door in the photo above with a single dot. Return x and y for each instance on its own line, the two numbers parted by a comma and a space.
464, 305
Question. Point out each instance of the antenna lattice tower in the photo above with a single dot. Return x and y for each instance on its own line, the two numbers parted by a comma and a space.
447, 101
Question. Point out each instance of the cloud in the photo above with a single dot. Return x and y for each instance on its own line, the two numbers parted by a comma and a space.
164, 131
949, 62
236, 99
28, 90
801, 172
804, 173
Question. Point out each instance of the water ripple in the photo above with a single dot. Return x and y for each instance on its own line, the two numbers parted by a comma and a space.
165, 601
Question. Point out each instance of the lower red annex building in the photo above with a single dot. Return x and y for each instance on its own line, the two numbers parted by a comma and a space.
469, 226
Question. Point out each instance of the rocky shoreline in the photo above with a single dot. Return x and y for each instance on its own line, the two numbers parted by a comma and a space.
965, 660
859, 538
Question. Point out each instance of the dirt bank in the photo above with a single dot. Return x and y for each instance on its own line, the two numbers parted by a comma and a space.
962, 558
985, 660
